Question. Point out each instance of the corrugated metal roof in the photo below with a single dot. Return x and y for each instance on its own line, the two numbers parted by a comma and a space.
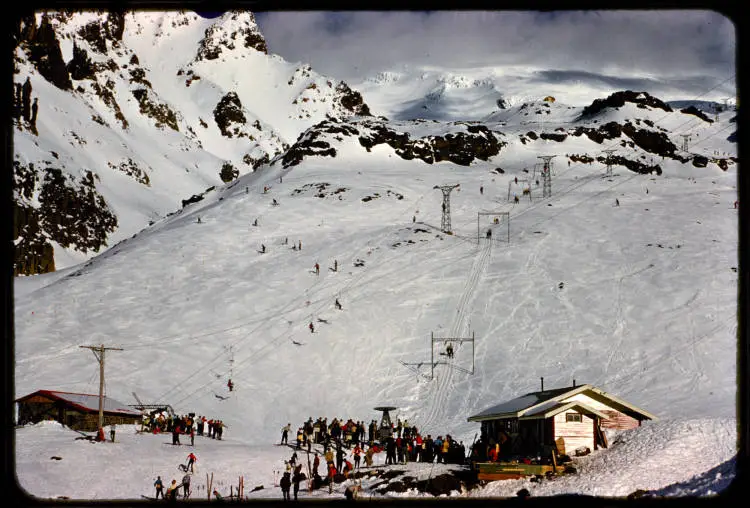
87, 402
533, 403
523, 402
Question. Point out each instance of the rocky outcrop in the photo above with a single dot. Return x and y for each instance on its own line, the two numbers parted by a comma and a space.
228, 115
71, 212
634, 166
618, 99
553, 136
106, 95
228, 172
692, 110
351, 100
308, 144
44, 52
609, 130
161, 113
460, 148
131, 168
232, 29
80, 66
653, 142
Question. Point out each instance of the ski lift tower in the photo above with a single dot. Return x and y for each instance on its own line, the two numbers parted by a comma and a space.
546, 176
445, 226
384, 431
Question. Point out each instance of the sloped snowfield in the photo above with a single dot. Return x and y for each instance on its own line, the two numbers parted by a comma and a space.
638, 299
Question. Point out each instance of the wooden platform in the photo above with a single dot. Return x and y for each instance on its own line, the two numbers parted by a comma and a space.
509, 470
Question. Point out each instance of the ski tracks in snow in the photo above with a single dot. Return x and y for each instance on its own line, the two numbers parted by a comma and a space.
460, 324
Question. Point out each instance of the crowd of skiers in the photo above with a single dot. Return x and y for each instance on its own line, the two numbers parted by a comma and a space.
185, 425
321, 432
404, 444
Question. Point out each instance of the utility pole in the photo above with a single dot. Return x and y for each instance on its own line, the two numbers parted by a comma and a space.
609, 153
99, 354
445, 225
685, 138
546, 175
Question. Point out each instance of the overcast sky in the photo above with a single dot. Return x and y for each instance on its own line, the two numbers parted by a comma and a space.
693, 49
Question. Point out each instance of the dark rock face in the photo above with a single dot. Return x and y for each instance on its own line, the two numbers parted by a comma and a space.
460, 148
650, 141
692, 110
609, 130
94, 34
228, 113
228, 172
618, 99
634, 166
161, 113
306, 145
532, 135
77, 217
44, 51
218, 37
351, 100
699, 161
554, 137
131, 168
105, 93
71, 213
80, 66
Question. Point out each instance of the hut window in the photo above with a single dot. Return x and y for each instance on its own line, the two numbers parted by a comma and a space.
573, 417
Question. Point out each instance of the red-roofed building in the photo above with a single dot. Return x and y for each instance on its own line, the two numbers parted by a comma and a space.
79, 411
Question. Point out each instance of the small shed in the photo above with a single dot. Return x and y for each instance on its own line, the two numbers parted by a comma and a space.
79, 411
564, 419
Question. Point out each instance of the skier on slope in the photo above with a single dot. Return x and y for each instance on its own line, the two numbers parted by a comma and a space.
311, 326
192, 459
285, 433
159, 488
317, 269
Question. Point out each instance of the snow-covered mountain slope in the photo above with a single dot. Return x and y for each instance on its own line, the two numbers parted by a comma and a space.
626, 281
135, 112
473, 93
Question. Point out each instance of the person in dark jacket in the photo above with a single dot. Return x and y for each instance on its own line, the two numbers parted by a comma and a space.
159, 488
285, 483
296, 478
186, 486
339, 457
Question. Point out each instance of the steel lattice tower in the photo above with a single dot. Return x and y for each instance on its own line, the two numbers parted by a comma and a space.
546, 176
609, 153
446, 222
685, 138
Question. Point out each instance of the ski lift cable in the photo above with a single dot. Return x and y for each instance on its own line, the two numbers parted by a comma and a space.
559, 194
352, 282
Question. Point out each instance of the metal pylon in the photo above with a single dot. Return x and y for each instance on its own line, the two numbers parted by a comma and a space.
546, 176
445, 225
609, 153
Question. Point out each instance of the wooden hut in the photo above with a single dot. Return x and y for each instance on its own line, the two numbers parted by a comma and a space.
560, 420
79, 411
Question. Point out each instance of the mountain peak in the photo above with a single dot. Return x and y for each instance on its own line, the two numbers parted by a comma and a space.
233, 30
